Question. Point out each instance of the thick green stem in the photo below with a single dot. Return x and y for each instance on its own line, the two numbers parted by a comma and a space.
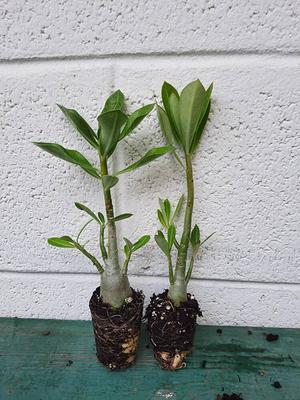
115, 286
178, 290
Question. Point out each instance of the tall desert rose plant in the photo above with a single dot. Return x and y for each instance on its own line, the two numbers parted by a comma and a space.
116, 337
172, 314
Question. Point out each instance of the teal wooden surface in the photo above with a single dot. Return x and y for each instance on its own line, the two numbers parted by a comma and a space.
50, 359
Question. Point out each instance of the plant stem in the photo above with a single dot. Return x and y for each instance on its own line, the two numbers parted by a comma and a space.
82, 229
91, 257
191, 266
101, 243
115, 286
170, 266
178, 290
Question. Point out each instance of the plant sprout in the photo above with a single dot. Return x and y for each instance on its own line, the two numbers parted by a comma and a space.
182, 121
113, 126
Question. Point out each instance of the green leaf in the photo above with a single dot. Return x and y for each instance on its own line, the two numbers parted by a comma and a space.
191, 102
122, 216
171, 236
110, 124
81, 125
84, 208
64, 241
167, 207
162, 242
178, 208
140, 243
203, 120
165, 124
195, 236
109, 181
127, 251
167, 130
161, 219
151, 155
128, 243
170, 98
114, 102
135, 119
101, 218
72, 156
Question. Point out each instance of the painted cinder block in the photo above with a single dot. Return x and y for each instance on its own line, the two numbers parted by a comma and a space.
50, 28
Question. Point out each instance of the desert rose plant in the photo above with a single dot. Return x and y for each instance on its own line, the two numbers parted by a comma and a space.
172, 314
116, 308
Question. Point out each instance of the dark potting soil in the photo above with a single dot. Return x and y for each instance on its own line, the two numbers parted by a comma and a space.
117, 330
171, 328
232, 396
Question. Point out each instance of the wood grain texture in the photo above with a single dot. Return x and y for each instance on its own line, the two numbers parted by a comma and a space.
52, 359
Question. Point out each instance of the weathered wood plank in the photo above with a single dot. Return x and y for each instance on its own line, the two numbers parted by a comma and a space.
50, 359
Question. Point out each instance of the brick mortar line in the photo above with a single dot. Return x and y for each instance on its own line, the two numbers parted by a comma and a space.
158, 55
218, 282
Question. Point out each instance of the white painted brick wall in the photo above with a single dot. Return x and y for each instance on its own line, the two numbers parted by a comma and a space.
246, 169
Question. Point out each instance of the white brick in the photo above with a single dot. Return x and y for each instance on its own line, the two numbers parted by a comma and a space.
67, 28
64, 296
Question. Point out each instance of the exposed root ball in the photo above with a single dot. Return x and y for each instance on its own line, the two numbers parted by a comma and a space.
117, 330
171, 329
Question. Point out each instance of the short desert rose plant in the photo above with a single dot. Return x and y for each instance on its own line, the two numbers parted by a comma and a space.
172, 314
115, 306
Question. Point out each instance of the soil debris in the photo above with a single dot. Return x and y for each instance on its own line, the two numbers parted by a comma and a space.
276, 385
271, 338
232, 396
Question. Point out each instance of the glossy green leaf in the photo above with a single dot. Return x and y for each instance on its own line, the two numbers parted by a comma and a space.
135, 119
127, 251
140, 243
195, 236
162, 242
165, 124
151, 155
84, 208
72, 156
109, 181
162, 207
114, 102
110, 124
190, 110
167, 207
101, 218
161, 219
170, 98
171, 236
178, 208
203, 120
122, 216
64, 242
167, 130
128, 243
81, 125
